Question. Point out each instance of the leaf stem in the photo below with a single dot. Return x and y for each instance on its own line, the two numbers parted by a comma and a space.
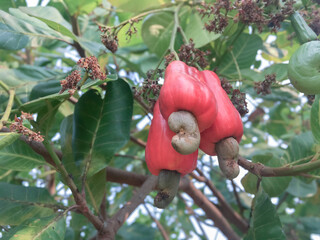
7, 112
79, 199
264, 171
174, 31
237, 66
6, 88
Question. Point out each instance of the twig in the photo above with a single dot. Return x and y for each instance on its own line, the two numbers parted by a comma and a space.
211, 210
237, 66
159, 225
174, 32
192, 212
263, 171
76, 31
236, 195
7, 112
116, 221
79, 199
228, 211
138, 141
103, 212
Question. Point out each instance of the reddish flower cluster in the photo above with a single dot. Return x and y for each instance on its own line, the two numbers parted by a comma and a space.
189, 55
70, 82
18, 127
227, 87
277, 18
264, 87
150, 89
239, 101
91, 65
250, 13
219, 11
110, 42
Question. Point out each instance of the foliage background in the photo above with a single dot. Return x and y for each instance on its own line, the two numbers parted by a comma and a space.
94, 136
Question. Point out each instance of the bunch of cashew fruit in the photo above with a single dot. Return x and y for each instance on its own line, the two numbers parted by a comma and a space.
193, 111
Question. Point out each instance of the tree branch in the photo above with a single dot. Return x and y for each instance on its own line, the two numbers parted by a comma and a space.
159, 225
229, 212
211, 210
263, 171
76, 31
116, 221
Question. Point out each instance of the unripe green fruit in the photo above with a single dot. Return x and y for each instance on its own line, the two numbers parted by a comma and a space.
304, 68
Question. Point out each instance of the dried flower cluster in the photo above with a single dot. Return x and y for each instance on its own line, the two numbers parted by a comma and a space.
150, 89
110, 42
18, 127
219, 11
70, 82
91, 65
277, 18
264, 87
132, 29
226, 85
249, 12
190, 55
311, 99
239, 101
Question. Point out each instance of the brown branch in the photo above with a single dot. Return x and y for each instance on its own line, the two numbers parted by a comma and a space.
228, 211
159, 225
263, 171
236, 195
102, 210
211, 210
124, 177
192, 212
76, 31
147, 108
116, 221
138, 141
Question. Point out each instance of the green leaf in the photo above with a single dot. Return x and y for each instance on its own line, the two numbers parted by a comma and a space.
249, 182
30, 26
10, 39
310, 224
81, 6
277, 124
24, 78
137, 5
48, 13
273, 186
101, 126
299, 188
95, 189
194, 28
66, 130
53, 227
19, 157
44, 89
301, 146
244, 50
265, 222
7, 138
315, 119
279, 69
156, 32
20, 203
136, 231
6, 4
